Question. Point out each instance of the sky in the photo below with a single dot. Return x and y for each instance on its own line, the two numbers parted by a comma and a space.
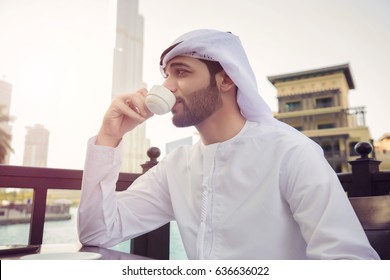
57, 54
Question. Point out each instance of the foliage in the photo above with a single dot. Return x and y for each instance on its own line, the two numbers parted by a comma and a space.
5, 138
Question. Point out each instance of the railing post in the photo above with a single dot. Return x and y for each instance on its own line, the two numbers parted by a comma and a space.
154, 244
37, 216
362, 170
153, 153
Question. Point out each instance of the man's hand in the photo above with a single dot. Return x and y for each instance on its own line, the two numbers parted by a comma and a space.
125, 113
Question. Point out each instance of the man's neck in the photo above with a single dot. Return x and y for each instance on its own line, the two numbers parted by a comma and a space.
221, 126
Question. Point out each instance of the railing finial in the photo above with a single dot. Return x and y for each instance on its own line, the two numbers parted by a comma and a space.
363, 149
153, 153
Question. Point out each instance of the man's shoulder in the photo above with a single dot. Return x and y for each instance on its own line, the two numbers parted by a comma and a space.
275, 131
278, 136
180, 152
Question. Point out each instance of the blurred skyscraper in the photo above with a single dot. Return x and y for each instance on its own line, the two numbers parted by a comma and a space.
127, 77
36, 146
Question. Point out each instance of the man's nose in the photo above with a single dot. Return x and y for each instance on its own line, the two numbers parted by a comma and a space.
169, 84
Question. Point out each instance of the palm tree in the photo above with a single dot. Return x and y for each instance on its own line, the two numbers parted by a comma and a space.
5, 138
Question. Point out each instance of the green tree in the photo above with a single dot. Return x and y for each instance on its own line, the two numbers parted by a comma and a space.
5, 138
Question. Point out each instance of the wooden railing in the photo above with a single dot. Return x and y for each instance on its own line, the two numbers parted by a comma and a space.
365, 180
368, 190
154, 244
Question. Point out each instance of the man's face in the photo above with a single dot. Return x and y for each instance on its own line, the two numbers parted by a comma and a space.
197, 95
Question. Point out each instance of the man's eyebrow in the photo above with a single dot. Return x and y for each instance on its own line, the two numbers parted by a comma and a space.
176, 65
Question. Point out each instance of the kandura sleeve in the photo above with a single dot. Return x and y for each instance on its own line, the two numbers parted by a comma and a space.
107, 217
321, 208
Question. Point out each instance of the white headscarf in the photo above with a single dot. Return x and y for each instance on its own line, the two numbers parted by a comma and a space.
227, 49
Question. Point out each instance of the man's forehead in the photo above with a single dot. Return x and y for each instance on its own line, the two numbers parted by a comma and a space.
182, 59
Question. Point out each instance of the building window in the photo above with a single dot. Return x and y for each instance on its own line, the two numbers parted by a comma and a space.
293, 106
324, 102
299, 128
326, 126
327, 149
338, 168
331, 149
352, 151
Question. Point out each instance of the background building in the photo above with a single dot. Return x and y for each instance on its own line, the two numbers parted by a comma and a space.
382, 151
36, 146
5, 104
316, 103
127, 77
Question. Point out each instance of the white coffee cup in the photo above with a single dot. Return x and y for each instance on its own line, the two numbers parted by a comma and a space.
160, 100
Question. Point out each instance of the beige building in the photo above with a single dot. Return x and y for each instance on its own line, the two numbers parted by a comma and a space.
316, 103
36, 146
5, 104
382, 151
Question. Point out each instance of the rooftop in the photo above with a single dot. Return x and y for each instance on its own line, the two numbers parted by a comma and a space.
344, 68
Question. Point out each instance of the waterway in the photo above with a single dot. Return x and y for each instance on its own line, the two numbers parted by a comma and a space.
61, 232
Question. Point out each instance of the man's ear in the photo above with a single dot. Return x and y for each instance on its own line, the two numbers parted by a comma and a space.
227, 83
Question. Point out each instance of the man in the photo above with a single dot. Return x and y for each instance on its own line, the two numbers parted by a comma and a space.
252, 188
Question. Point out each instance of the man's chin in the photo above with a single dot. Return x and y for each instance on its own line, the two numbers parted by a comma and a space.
179, 121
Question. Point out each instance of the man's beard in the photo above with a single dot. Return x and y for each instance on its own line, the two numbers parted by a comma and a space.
200, 105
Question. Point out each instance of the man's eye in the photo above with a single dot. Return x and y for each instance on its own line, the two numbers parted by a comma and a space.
181, 72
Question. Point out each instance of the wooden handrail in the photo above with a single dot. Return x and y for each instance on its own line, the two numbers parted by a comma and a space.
365, 180
42, 179
373, 211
